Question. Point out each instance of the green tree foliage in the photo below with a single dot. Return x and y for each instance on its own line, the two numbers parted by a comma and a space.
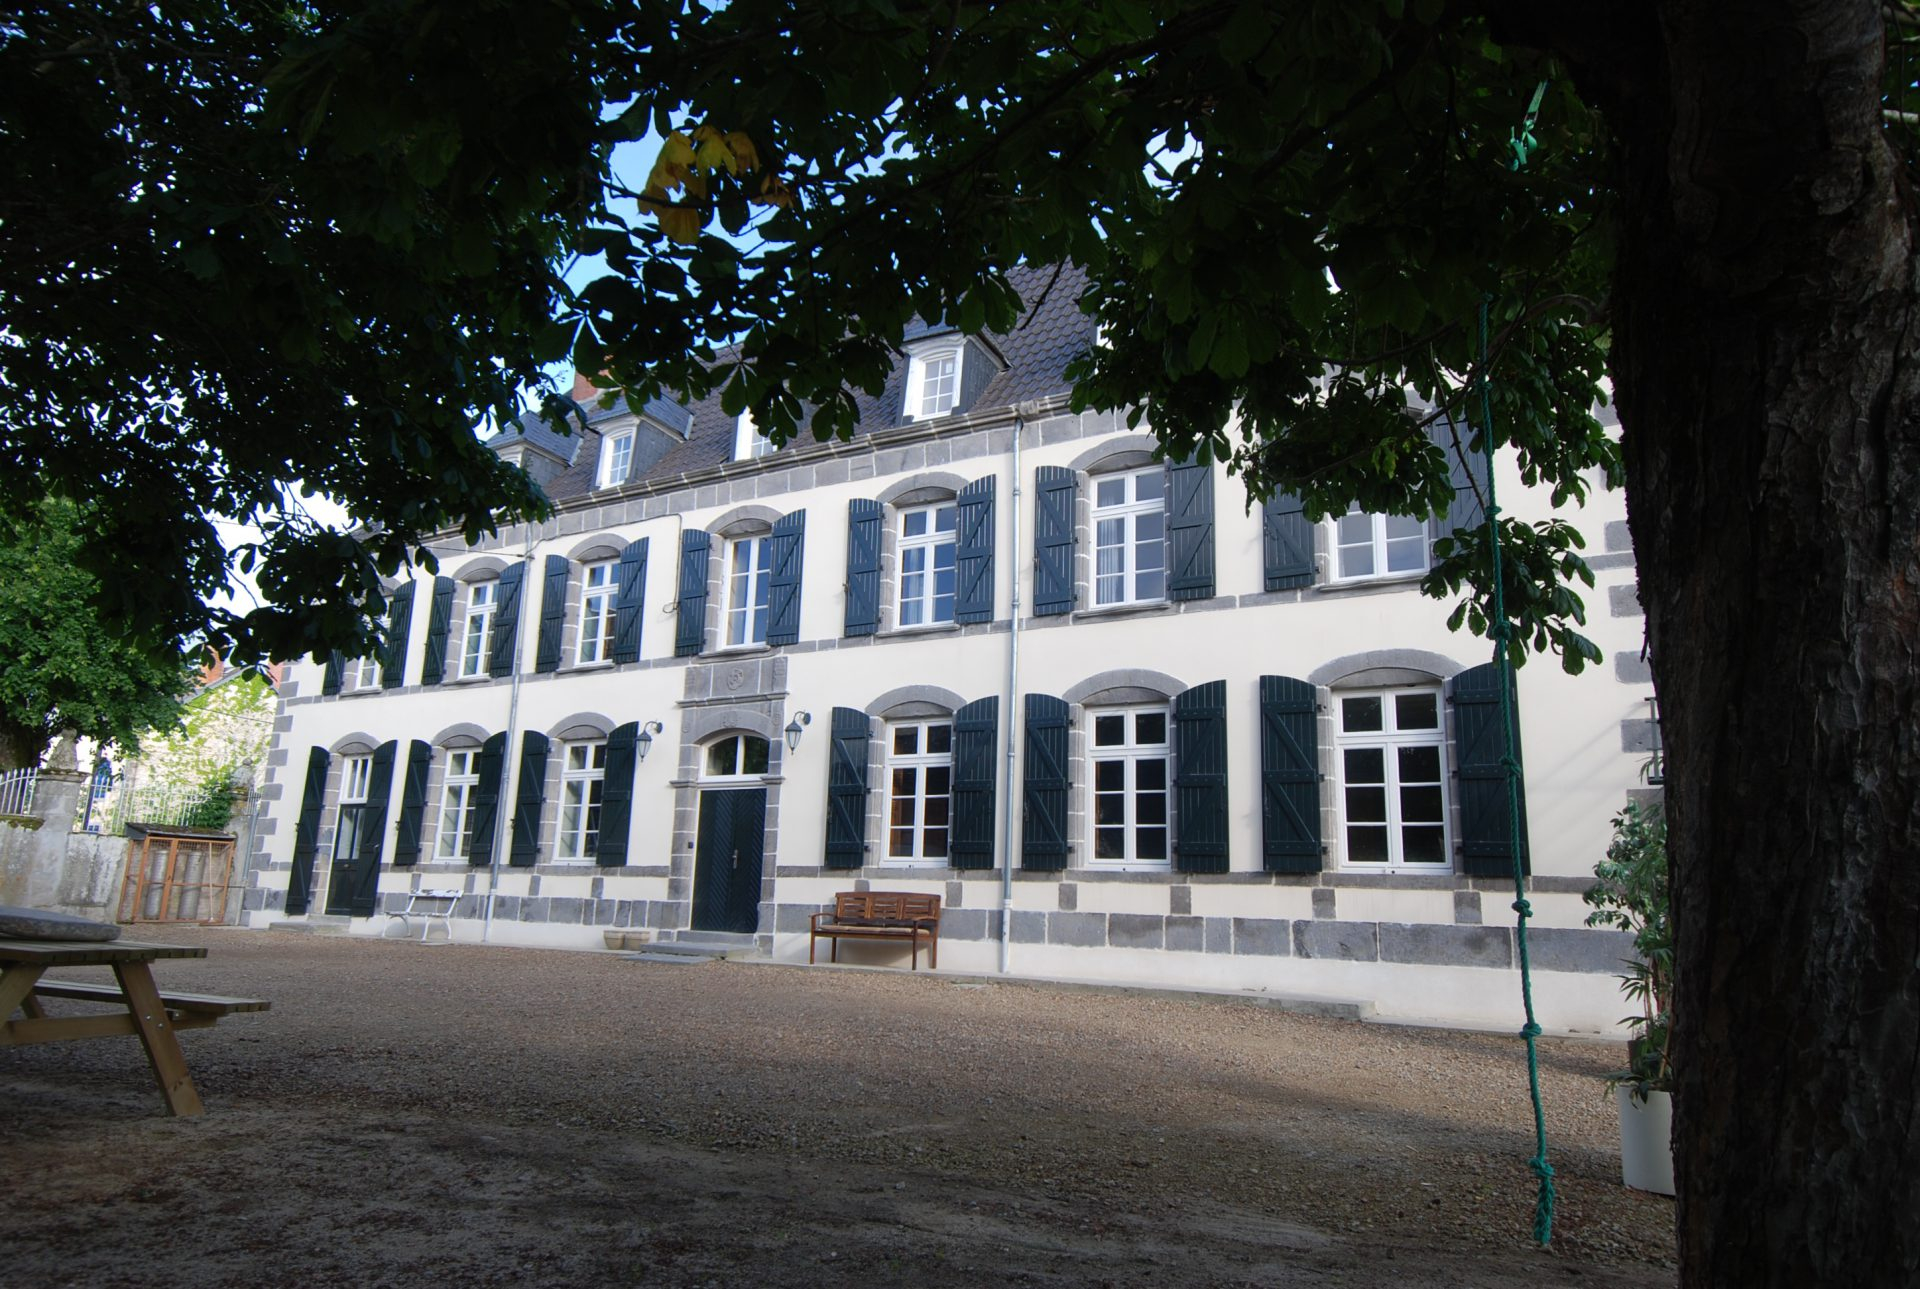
205, 303
62, 665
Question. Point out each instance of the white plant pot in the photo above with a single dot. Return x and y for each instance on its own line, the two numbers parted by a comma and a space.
1646, 1140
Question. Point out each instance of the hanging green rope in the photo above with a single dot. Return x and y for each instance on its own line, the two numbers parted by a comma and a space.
1522, 143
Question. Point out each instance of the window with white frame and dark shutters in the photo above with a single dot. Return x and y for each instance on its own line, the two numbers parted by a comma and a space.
919, 793
599, 589
582, 791
1129, 537
482, 597
1393, 780
927, 555
1130, 757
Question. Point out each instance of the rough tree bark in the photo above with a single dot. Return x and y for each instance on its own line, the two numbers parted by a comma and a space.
1770, 393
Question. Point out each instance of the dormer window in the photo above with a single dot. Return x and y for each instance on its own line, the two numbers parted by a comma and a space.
616, 458
933, 383
748, 442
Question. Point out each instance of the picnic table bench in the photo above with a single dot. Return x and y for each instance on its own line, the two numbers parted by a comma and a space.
428, 905
144, 1010
880, 915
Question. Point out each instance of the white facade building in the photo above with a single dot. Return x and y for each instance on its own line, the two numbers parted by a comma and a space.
1093, 701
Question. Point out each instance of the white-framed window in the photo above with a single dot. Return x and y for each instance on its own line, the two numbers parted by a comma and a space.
927, 553
1393, 780
747, 591
356, 772
600, 586
737, 756
616, 458
939, 384
1130, 537
1369, 545
481, 599
933, 381
919, 791
363, 673
1132, 770
456, 804
583, 782
748, 442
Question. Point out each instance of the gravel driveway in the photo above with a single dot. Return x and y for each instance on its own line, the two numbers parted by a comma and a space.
483, 1116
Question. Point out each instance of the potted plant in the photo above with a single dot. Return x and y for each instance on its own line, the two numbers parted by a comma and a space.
1632, 895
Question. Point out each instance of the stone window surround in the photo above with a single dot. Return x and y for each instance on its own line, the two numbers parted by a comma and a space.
906, 703
1125, 453
463, 735
598, 549
740, 523
924, 489
484, 568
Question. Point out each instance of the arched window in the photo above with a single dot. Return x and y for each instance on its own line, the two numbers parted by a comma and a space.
737, 756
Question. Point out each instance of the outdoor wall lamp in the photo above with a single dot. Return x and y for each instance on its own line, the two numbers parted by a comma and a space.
644, 743
799, 722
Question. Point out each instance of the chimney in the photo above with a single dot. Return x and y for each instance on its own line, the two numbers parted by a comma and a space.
584, 391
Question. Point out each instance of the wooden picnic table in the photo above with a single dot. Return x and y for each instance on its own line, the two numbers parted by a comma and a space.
152, 1015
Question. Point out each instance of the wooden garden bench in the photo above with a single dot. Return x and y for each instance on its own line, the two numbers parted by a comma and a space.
880, 915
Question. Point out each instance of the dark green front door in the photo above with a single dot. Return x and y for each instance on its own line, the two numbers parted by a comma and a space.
351, 870
727, 860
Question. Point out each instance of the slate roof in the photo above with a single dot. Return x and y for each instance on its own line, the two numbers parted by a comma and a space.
1036, 351
533, 430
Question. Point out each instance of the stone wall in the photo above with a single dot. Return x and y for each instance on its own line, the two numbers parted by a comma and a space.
45, 865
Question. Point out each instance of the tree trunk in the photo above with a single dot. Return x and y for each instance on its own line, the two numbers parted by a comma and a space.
21, 746
1765, 367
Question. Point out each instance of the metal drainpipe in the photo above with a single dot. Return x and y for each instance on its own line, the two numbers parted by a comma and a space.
501, 821
1013, 692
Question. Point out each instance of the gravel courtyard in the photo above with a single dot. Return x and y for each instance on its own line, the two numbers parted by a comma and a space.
416, 1115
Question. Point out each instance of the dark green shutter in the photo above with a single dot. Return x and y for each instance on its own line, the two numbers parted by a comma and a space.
616, 796
373, 831
1054, 491
1189, 531
847, 789
1043, 808
1287, 543
553, 613
306, 833
488, 768
528, 798
976, 761
1467, 470
413, 804
506, 622
973, 553
336, 668
632, 575
433, 666
863, 567
1486, 832
1289, 775
785, 550
393, 661
690, 634
1200, 779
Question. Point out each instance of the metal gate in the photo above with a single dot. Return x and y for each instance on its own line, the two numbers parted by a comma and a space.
177, 876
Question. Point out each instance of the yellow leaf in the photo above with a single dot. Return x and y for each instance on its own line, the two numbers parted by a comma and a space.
675, 162
773, 193
680, 224
744, 152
